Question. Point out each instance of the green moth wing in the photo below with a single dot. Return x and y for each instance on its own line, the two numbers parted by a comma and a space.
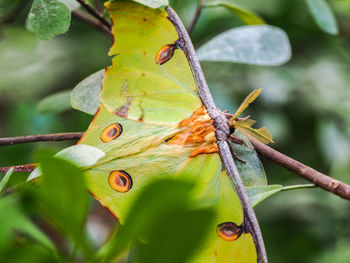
144, 89
152, 123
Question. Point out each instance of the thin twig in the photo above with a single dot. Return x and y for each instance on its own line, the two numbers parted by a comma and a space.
98, 5
222, 132
41, 138
325, 182
92, 21
25, 168
95, 13
319, 179
196, 16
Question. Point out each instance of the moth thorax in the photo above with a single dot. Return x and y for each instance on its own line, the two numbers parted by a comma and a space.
197, 131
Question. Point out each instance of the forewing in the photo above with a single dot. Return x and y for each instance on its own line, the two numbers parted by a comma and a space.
137, 86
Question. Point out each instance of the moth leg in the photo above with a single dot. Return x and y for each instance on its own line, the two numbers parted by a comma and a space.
240, 141
234, 154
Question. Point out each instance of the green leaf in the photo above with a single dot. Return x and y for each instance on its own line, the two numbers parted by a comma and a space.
81, 155
246, 16
85, 96
12, 218
71, 4
6, 179
55, 103
323, 16
153, 3
257, 45
49, 18
252, 172
167, 220
258, 194
65, 198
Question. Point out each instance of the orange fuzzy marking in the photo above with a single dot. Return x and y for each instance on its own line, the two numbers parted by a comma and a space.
198, 131
212, 148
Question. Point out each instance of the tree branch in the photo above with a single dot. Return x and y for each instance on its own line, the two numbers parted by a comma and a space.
319, 179
196, 16
41, 138
222, 132
92, 21
325, 182
95, 13
25, 168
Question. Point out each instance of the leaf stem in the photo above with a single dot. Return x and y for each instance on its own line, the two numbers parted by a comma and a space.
298, 186
196, 16
95, 13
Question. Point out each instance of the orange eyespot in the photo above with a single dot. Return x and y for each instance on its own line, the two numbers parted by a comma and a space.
165, 53
112, 132
229, 231
120, 181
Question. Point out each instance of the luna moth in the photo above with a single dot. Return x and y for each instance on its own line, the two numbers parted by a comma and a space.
154, 121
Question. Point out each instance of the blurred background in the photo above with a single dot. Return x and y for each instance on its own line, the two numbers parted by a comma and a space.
305, 104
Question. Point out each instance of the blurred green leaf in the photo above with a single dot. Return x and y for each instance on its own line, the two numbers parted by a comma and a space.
71, 4
86, 95
177, 243
65, 199
246, 16
81, 155
49, 18
252, 172
161, 204
12, 218
256, 45
323, 16
22, 54
258, 194
55, 103
339, 253
153, 3
6, 179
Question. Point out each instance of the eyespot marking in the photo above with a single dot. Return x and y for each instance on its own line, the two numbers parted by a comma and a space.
111, 132
165, 54
120, 181
229, 231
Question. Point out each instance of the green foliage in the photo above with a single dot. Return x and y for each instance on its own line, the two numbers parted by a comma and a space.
252, 172
85, 95
152, 3
6, 179
246, 16
81, 155
323, 16
7, 6
62, 184
49, 18
55, 103
14, 220
167, 220
256, 45
304, 103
